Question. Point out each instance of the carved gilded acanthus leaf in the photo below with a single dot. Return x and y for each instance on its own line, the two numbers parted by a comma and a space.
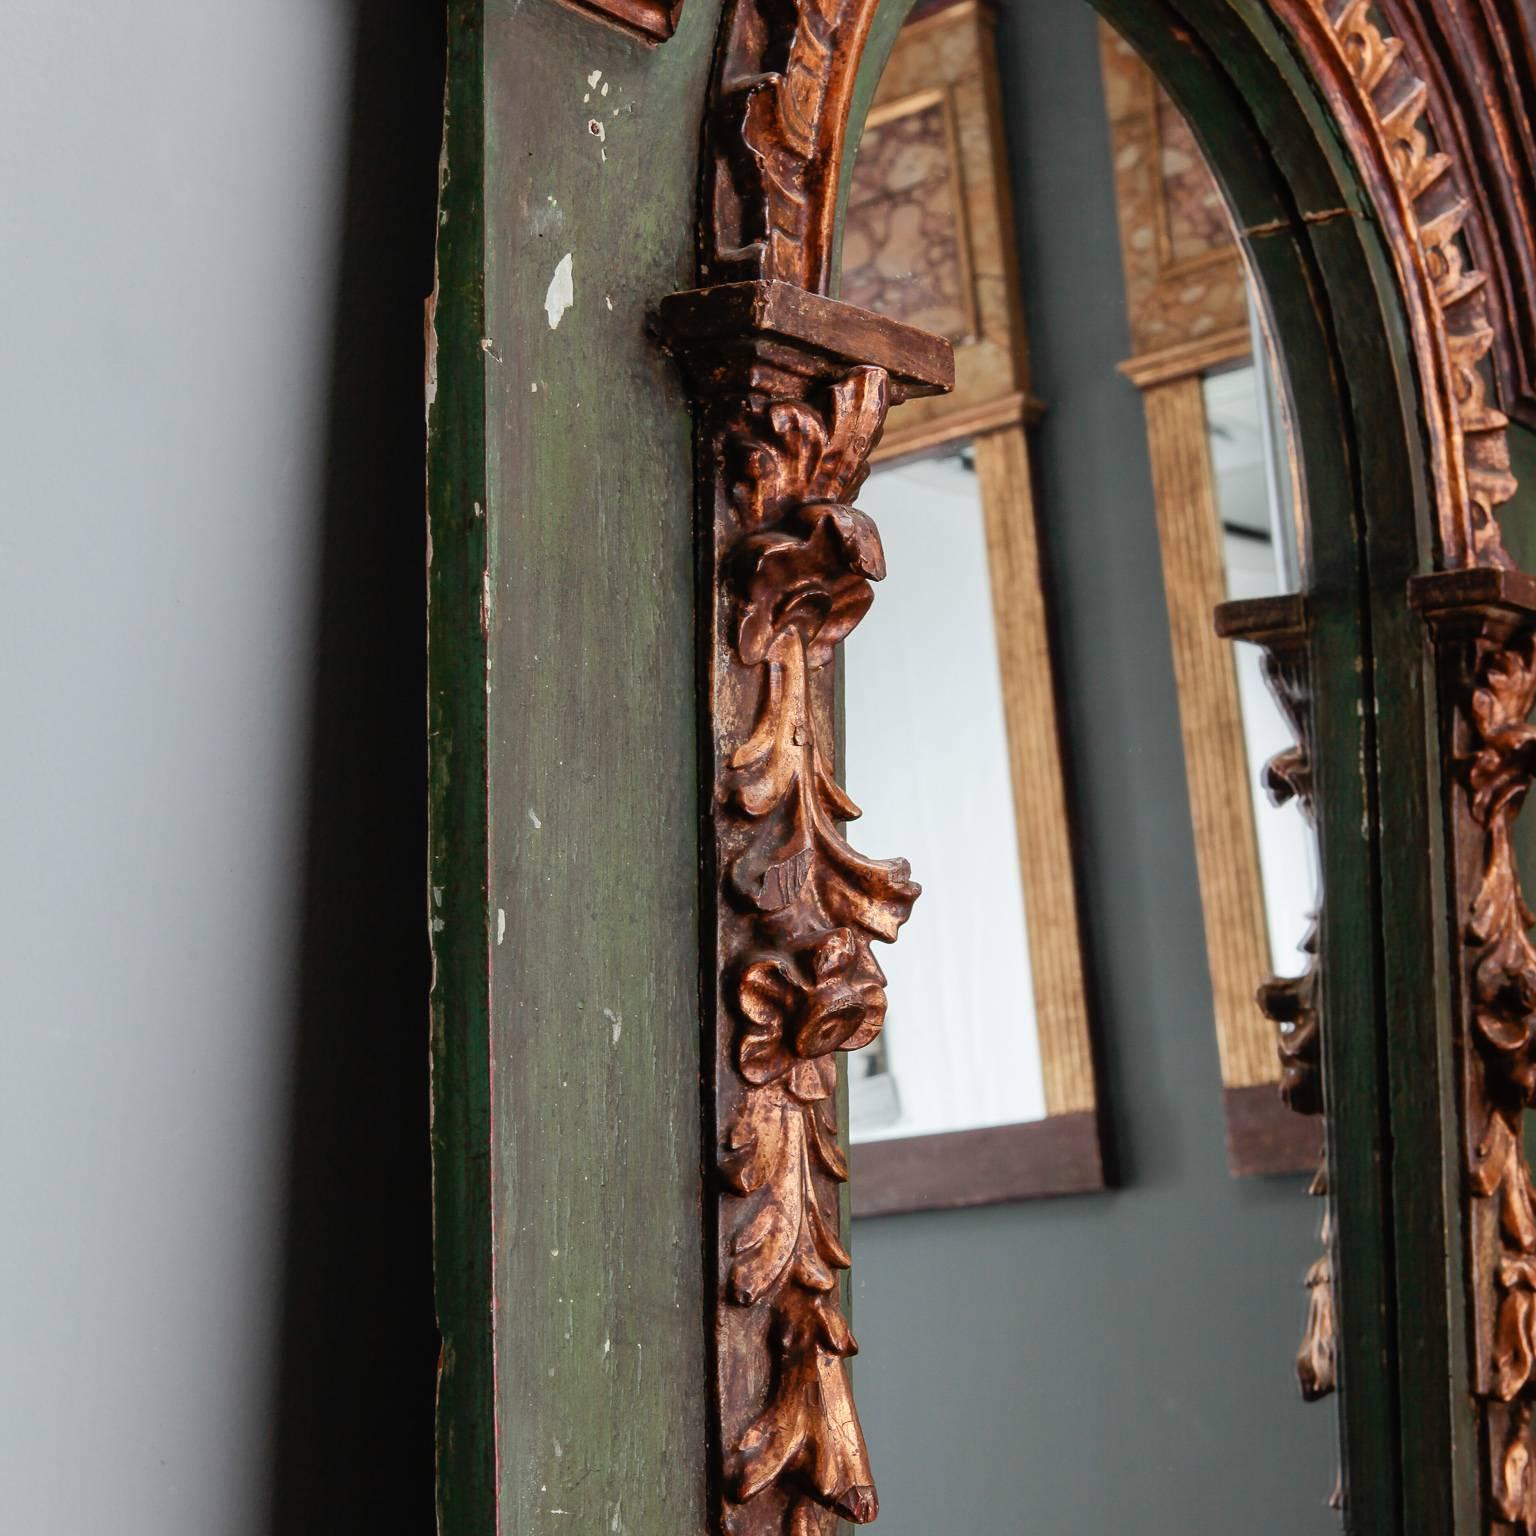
789, 417
1470, 434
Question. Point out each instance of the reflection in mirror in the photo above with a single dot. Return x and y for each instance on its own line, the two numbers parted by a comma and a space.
981, 1086
1041, 661
1221, 475
960, 1047
1255, 505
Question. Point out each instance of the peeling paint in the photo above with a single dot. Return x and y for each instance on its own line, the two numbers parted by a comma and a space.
533, 817
430, 324
616, 1021
501, 924
561, 293
594, 77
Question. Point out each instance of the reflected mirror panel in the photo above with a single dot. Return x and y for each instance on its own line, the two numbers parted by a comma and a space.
960, 1047
1256, 507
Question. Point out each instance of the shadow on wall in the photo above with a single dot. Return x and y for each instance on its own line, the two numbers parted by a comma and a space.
353, 1417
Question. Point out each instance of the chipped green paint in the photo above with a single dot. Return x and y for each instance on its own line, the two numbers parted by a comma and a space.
564, 795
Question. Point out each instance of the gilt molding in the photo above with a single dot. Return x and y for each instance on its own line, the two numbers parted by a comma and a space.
773, 138
1484, 623
793, 390
1380, 103
1480, 62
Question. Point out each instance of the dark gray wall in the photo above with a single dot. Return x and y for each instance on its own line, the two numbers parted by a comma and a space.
1121, 1361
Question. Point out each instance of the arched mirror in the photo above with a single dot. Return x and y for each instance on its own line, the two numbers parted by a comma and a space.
1079, 766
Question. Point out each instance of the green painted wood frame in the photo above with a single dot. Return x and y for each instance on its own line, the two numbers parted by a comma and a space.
564, 804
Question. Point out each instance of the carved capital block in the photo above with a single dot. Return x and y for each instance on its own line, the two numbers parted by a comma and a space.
793, 389
1484, 625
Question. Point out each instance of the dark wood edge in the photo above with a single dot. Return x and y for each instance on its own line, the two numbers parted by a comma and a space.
1465, 600
1059, 1155
1263, 1136
653, 20
918, 361
1270, 621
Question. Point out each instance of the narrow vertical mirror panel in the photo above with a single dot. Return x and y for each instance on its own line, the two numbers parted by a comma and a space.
1256, 506
961, 1047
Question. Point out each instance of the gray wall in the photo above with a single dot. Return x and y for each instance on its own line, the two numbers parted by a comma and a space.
212, 1052
1121, 1361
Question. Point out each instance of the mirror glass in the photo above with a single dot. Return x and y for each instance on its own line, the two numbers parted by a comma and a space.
927, 744
1256, 505
1038, 713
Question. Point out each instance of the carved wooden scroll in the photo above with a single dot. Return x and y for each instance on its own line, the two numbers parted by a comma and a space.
774, 129
792, 389
1279, 625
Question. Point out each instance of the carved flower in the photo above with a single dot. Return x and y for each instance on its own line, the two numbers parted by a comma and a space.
812, 575
827, 996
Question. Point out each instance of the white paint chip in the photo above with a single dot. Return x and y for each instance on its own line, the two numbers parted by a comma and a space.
561, 293
533, 817
605, 87
608, 300
501, 924
594, 77
616, 1021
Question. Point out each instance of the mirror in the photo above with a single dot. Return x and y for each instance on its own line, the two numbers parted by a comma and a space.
1040, 714
981, 1087
1260, 527
961, 1048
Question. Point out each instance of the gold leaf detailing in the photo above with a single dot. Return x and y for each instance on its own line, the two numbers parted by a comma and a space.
801, 978
1478, 442
774, 137
1498, 774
